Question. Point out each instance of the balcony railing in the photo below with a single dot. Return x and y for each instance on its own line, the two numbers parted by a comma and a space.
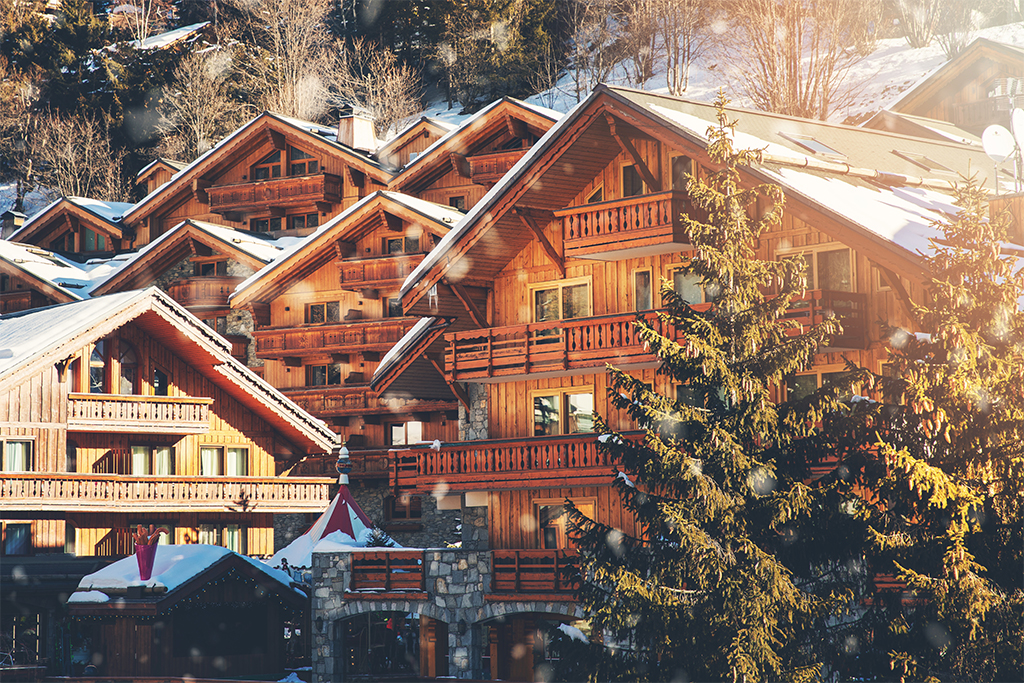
368, 335
207, 292
280, 192
616, 229
494, 464
974, 116
530, 571
138, 414
116, 492
485, 169
388, 571
357, 400
378, 272
369, 464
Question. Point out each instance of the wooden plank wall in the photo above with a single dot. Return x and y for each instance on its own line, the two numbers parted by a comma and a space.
91, 528
513, 514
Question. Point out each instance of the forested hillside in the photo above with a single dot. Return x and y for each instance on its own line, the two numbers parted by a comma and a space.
90, 92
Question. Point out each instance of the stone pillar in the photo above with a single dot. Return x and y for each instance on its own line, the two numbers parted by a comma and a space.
473, 423
331, 575
474, 528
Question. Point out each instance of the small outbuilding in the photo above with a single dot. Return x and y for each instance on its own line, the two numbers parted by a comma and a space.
206, 612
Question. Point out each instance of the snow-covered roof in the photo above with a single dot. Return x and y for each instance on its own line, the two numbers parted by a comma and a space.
173, 566
162, 40
111, 212
67, 276
398, 350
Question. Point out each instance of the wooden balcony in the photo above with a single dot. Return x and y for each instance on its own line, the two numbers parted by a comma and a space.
975, 116
487, 169
387, 571
381, 272
317, 340
817, 305
340, 401
625, 228
550, 349
368, 464
204, 292
279, 192
501, 464
138, 414
119, 493
530, 571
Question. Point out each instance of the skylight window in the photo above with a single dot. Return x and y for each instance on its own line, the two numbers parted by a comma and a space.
922, 161
812, 145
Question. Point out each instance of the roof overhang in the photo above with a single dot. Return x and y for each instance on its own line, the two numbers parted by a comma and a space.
66, 213
422, 346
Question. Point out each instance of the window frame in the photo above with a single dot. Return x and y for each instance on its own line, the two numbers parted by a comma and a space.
558, 523
672, 173
650, 288
592, 198
151, 459
327, 367
817, 371
563, 394
561, 285
31, 459
812, 250
622, 180
29, 550
670, 275
326, 306
405, 429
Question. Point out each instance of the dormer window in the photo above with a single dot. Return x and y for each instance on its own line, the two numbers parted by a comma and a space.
268, 167
93, 241
401, 245
302, 163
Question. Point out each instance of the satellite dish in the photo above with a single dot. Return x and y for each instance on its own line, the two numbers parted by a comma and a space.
1017, 126
998, 143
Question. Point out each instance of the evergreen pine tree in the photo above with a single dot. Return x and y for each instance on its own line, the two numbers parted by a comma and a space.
704, 592
943, 455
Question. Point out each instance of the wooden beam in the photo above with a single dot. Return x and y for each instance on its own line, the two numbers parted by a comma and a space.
462, 295
653, 184
277, 138
199, 186
459, 164
538, 232
901, 292
393, 222
456, 388
343, 249
517, 128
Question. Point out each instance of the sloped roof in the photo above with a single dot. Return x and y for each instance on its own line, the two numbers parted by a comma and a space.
57, 277
919, 126
33, 339
413, 130
106, 215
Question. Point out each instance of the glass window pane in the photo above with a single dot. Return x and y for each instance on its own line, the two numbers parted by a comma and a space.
545, 305
801, 386
163, 461
394, 308
412, 245
546, 416
140, 461
642, 290
98, 369
316, 375
129, 368
414, 431
210, 462
687, 286
160, 382
316, 313
237, 462
312, 220
168, 538
233, 538
575, 301
632, 183
681, 167
18, 539
834, 270
398, 434
209, 534
297, 153
273, 158
18, 456
394, 246
334, 373
581, 413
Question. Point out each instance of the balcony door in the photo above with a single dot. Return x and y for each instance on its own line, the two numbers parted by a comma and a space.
552, 522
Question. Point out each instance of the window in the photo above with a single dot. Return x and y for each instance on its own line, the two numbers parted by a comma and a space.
161, 383
812, 145
682, 167
561, 300
93, 241
552, 523
642, 298
162, 539
210, 268
309, 220
70, 538
830, 269
18, 456
302, 163
401, 245
129, 363
403, 508
234, 538
17, 539
632, 182
405, 433
394, 307
881, 284
562, 411
98, 368
327, 312
803, 385
922, 161
323, 375
211, 461
457, 203
152, 460
268, 167
219, 323
236, 462
596, 196
688, 287
265, 224
209, 534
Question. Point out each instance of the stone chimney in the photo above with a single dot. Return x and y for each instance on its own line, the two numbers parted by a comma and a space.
356, 130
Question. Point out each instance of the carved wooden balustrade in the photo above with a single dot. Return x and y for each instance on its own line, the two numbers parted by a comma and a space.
613, 229
250, 196
387, 570
376, 335
117, 492
530, 571
206, 291
357, 400
817, 305
138, 414
377, 272
492, 464
485, 169
368, 464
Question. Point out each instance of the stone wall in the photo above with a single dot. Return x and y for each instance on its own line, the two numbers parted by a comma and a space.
474, 528
287, 527
440, 527
473, 422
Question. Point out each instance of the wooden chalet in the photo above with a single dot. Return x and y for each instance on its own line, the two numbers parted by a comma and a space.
411, 141
575, 243
205, 613
88, 228
127, 409
328, 311
971, 91
157, 173
31, 277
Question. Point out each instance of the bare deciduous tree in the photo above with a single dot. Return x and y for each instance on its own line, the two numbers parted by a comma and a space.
74, 157
919, 19
197, 108
792, 56
289, 55
592, 54
684, 29
640, 39
371, 78
957, 21
142, 17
